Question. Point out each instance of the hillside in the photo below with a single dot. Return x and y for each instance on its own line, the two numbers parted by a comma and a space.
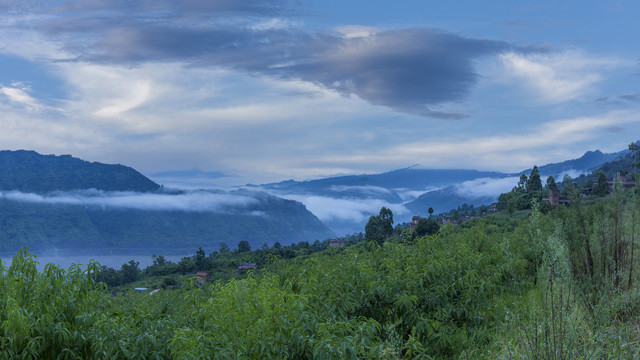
64, 204
344, 203
443, 200
28, 171
537, 287
394, 182
586, 163
99, 227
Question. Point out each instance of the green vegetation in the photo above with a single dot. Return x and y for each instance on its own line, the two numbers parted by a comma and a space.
379, 227
558, 284
44, 222
95, 229
527, 192
622, 166
28, 171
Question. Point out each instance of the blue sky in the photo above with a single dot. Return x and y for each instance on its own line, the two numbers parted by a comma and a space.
270, 90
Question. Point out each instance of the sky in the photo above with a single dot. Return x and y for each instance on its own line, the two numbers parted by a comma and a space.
268, 90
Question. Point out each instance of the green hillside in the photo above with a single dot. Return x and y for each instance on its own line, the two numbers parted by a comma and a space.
28, 171
561, 285
45, 204
94, 229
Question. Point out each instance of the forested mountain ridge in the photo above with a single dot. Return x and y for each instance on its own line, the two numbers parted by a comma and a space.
589, 161
411, 178
95, 228
344, 203
28, 171
61, 203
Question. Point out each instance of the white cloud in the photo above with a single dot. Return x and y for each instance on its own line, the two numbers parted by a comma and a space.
355, 210
408, 195
356, 31
486, 186
369, 189
556, 77
188, 201
510, 152
18, 94
160, 116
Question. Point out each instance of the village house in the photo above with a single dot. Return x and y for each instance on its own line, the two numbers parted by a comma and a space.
554, 198
243, 266
447, 220
624, 180
414, 222
493, 208
337, 243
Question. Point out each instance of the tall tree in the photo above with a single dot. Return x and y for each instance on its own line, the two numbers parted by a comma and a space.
551, 183
200, 259
522, 182
635, 156
534, 183
427, 227
243, 246
130, 271
430, 211
158, 260
379, 227
602, 186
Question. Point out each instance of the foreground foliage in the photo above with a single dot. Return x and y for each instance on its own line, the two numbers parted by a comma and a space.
556, 286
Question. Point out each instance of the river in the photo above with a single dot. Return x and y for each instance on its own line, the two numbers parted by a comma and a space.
114, 261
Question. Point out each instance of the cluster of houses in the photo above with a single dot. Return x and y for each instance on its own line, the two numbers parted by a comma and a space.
625, 181
493, 208
554, 197
337, 243
244, 266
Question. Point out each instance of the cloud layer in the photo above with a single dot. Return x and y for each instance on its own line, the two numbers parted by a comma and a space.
408, 70
198, 201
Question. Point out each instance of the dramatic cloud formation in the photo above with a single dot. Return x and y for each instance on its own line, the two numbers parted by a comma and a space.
277, 89
407, 70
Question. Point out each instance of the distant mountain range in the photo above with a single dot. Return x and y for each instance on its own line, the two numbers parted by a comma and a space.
68, 205
345, 203
586, 163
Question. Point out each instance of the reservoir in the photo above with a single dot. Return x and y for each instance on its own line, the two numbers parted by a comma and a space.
114, 261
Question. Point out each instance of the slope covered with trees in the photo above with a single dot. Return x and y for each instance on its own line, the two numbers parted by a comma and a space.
45, 204
94, 229
561, 285
28, 171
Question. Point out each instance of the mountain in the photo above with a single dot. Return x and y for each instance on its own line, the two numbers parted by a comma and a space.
189, 174
344, 203
396, 182
443, 200
108, 224
28, 171
69, 205
622, 165
585, 164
